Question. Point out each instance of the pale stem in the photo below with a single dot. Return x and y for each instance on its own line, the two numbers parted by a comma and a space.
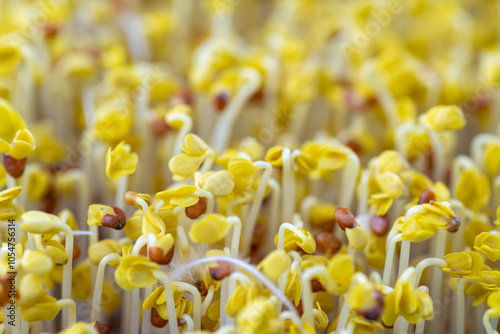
252, 216
296, 266
235, 222
288, 185
169, 294
11, 183
460, 316
401, 325
80, 177
386, 277
96, 300
437, 275
307, 295
282, 281
243, 200
420, 327
405, 256
257, 274
208, 300
196, 302
70, 303
486, 322
189, 323
273, 220
422, 265
146, 314
121, 188
225, 124
67, 271
439, 156
187, 125
349, 180
224, 296
228, 329
306, 208
208, 161
135, 35
144, 206
346, 310
135, 293
281, 234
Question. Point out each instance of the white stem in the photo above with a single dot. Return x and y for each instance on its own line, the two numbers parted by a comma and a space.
96, 300
243, 200
281, 234
420, 327
169, 294
208, 300
235, 222
439, 156
307, 295
486, 322
422, 265
386, 277
288, 185
252, 216
306, 208
437, 275
460, 315
196, 302
70, 303
67, 271
273, 221
349, 180
225, 124
134, 34
187, 125
189, 323
405, 256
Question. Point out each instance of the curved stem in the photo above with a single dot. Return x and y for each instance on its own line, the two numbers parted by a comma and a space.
307, 295
386, 278
190, 327
223, 128
196, 302
169, 295
187, 125
208, 300
251, 219
281, 234
70, 303
96, 300
486, 322
422, 265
